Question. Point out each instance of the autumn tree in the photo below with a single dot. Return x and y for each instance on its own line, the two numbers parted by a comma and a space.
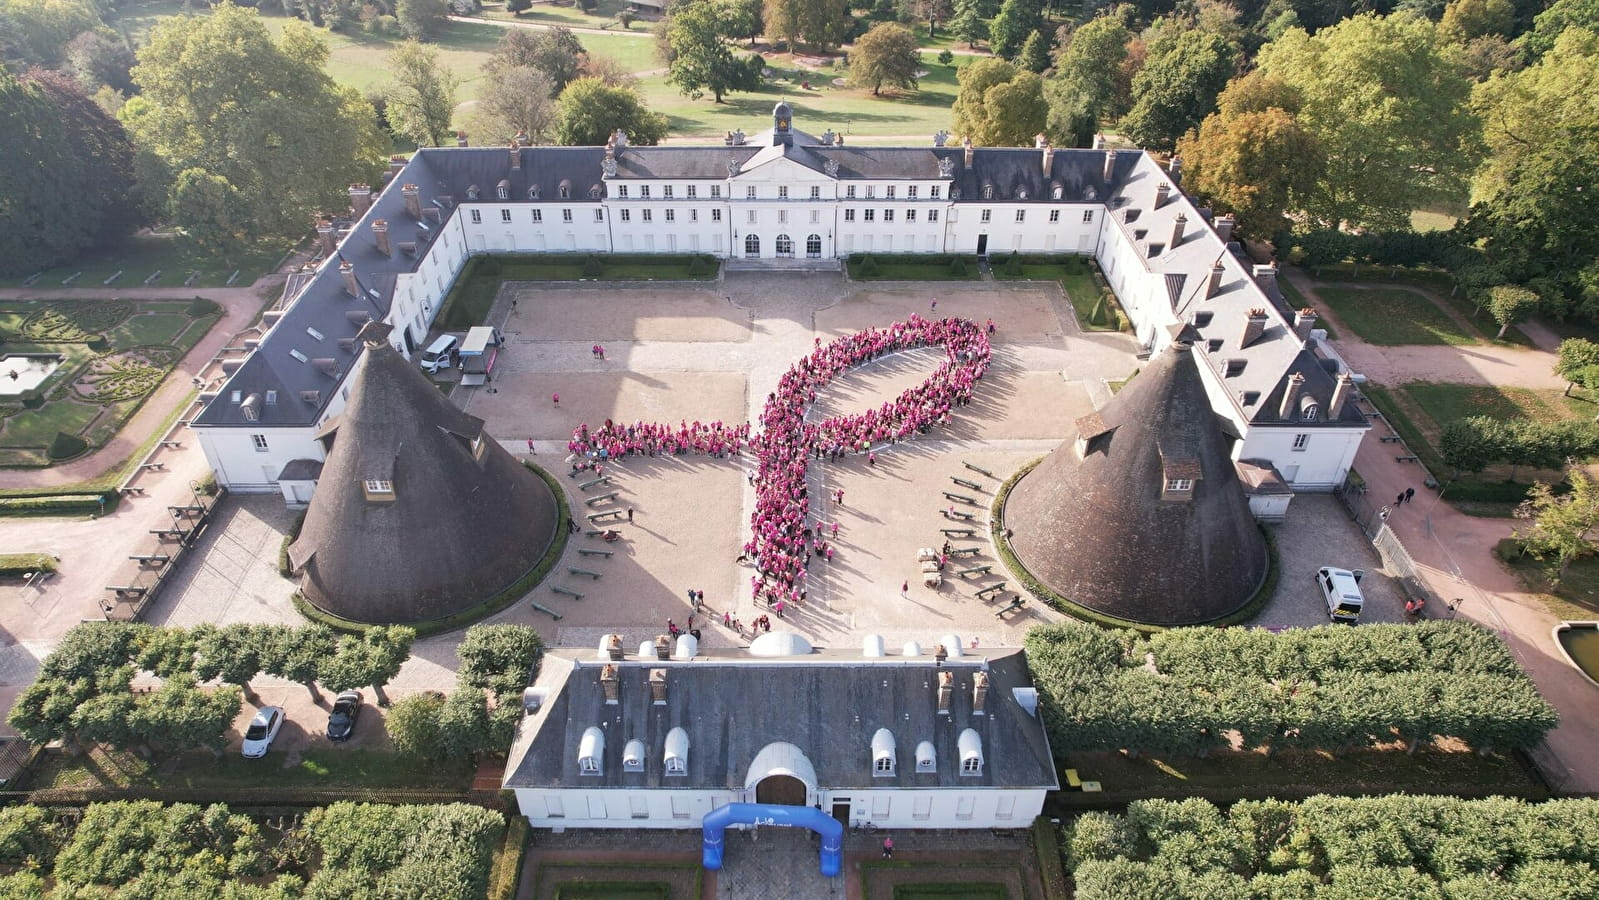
244, 136
888, 54
701, 59
997, 105
589, 110
1564, 528
421, 94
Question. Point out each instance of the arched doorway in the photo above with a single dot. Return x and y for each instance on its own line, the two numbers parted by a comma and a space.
781, 789
785, 246
752, 246
813, 246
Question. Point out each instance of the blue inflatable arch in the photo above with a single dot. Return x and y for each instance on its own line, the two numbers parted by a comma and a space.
830, 829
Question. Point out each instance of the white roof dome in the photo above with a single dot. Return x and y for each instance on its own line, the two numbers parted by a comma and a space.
872, 646
780, 643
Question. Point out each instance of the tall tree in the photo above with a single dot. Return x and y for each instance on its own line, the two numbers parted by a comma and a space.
100, 58
36, 32
933, 11
421, 96
825, 24
968, 23
701, 59
1509, 304
1529, 201
1388, 103
71, 167
1464, 20
1035, 53
783, 19
1016, 20
422, 20
258, 119
1564, 529
515, 100
1082, 92
591, 109
1177, 86
998, 106
554, 51
888, 54
1553, 22
1252, 157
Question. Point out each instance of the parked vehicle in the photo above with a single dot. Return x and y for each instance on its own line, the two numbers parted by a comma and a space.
263, 728
346, 709
478, 354
440, 354
1341, 589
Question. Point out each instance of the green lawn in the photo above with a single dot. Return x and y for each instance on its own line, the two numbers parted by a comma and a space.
911, 267
1575, 599
604, 15
1298, 301
614, 890
200, 770
36, 428
1444, 403
144, 255
1096, 308
1393, 316
156, 328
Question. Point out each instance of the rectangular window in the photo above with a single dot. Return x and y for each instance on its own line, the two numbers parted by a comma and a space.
782, 217
932, 215
816, 192
1179, 484
694, 215
890, 194
627, 215
667, 192
871, 191
1301, 441
566, 216
782, 192
749, 192
538, 216
477, 217
888, 215
671, 215
716, 191
881, 804
935, 191
644, 192
640, 805
599, 215
987, 215
849, 215
910, 215
649, 215
751, 217
1054, 216
1088, 217
816, 216
621, 192
691, 192
260, 442
505, 216
869, 215
849, 192
911, 192
716, 215
1021, 215
377, 489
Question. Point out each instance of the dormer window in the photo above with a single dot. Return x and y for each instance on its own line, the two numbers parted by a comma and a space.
472, 192
988, 192
1021, 194
1251, 398
666, 192
503, 191
633, 756
594, 192
533, 192
590, 750
1312, 412
1235, 367
566, 190
1214, 344
1057, 192
478, 445
926, 758
1201, 319
883, 754
1179, 484
971, 750
676, 753
377, 489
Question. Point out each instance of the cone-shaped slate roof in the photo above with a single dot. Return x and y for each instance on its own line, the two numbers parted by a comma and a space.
418, 513
1140, 514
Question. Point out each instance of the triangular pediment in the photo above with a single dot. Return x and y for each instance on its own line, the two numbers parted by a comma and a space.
773, 165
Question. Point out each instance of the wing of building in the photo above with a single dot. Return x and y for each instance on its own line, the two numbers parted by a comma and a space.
613, 740
784, 198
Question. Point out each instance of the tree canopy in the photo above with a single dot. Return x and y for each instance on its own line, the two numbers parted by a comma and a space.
999, 106
556, 52
701, 59
421, 95
590, 109
888, 54
1177, 87
244, 136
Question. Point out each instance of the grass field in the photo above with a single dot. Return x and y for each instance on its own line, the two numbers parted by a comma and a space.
1444, 403
142, 256
318, 769
1393, 316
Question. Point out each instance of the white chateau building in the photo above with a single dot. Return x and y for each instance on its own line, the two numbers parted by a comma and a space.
787, 199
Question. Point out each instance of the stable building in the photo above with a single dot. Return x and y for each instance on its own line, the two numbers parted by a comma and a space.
660, 739
786, 199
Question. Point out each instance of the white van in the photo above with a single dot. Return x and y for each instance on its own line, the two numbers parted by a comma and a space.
1341, 589
440, 354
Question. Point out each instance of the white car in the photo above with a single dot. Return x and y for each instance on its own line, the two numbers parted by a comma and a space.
1340, 588
263, 728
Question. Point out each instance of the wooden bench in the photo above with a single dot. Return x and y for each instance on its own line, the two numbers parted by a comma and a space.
603, 479
1390, 439
567, 591
960, 497
965, 551
991, 589
601, 498
1015, 604
976, 570
958, 532
154, 560
573, 570
590, 551
154, 467
595, 517
132, 492
1408, 458
187, 511
956, 514
978, 469
128, 591
966, 484
169, 534
545, 609
172, 445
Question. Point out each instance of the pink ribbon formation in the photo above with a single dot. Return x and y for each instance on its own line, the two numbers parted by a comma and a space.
781, 532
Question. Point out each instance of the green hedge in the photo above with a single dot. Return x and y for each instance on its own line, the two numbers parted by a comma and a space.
18, 564
57, 504
489, 607
285, 569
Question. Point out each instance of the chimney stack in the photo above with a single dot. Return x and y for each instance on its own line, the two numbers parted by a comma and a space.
658, 687
360, 199
1175, 169
1296, 383
1162, 191
1304, 320
970, 152
347, 272
1110, 165
1216, 274
663, 647
613, 646
460, 139
413, 200
324, 237
1266, 277
380, 235
1341, 389
1254, 327
1224, 228
946, 691
397, 164
609, 685
1049, 157
1177, 229
620, 137
979, 693
516, 156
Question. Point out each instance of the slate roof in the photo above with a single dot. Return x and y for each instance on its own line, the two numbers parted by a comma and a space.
462, 524
1097, 530
732, 705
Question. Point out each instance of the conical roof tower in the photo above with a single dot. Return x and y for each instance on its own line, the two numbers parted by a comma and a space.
419, 513
1140, 514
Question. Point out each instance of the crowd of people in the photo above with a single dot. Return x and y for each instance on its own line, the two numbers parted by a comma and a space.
783, 537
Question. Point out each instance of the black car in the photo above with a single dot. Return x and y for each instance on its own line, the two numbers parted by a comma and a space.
346, 709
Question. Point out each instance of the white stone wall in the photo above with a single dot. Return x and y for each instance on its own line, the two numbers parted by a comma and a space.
242, 466
976, 807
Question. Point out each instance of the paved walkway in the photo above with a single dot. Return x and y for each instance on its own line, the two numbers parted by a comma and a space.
1454, 550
